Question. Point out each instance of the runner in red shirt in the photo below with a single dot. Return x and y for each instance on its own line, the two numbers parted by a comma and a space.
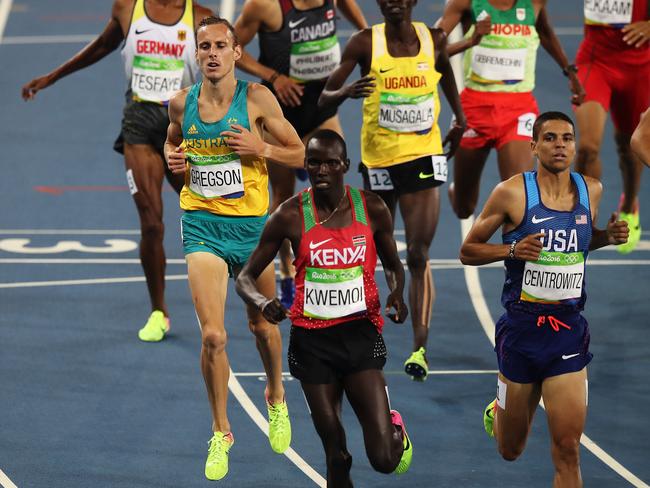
336, 344
613, 63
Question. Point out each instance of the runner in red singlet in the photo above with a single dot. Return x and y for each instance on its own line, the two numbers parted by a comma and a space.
336, 345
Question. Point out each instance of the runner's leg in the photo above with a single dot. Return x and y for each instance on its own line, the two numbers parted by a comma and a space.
590, 119
464, 190
514, 157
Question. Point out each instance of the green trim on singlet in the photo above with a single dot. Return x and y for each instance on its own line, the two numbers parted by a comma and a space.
307, 211
357, 206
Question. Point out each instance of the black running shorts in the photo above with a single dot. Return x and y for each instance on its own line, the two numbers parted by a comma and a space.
143, 123
324, 356
408, 177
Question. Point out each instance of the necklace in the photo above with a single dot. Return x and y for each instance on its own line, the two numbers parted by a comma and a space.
321, 222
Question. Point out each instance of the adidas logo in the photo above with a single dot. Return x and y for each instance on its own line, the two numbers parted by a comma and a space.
192, 130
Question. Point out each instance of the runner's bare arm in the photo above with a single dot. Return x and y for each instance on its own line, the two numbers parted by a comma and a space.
266, 116
200, 13
448, 85
104, 44
351, 11
616, 231
274, 233
640, 142
357, 51
382, 227
455, 11
551, 44
254, 17
505, 206
174, 154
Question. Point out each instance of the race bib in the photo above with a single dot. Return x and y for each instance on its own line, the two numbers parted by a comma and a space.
553, 277
614, 12
525, 124
333, 293
216, 175
439, 165
406, 113
314, 60
499, 64
380, 179
156, 80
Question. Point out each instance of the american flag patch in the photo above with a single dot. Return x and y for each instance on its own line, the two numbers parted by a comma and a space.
581, 219
359, 240
329, 15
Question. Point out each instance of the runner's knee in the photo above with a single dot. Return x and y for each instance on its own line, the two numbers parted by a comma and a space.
261, 328
381, 458
464, 209
566, 451
586, 154
417, 255
339, 460
152, 228
214, 340
510, 452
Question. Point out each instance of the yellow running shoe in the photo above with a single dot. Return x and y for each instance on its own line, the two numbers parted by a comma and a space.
155, 328
416, 365
488, 417
216, 466
407, 454
634, 225
279, 426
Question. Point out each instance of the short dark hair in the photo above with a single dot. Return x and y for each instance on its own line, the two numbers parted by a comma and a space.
328, 136
212, 20
545, 117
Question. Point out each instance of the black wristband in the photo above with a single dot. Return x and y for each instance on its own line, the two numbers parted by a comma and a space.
572, 68
273, 77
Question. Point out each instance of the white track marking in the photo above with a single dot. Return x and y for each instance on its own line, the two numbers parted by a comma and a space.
257, 417
69, 232
86, 38
439, 372
227, 10
98, 281
484, 316
5, 482
5, 9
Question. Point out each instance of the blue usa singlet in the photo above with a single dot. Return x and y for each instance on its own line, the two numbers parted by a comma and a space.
556, 281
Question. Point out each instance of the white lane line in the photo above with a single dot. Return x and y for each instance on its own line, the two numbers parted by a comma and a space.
441, 372
69, 232
98, 281
5, 10
484, 316
257, 417
226, 11
5, 482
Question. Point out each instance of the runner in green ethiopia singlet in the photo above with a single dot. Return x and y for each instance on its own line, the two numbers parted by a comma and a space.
504, 60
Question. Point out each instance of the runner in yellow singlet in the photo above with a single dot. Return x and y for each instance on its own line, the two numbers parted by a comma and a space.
157, 39
401, 148
215, 139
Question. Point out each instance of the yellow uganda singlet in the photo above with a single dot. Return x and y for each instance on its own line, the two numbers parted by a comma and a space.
400, 118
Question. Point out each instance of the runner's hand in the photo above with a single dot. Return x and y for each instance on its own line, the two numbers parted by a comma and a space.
34, 86
362, 88
481, 28
274, 311
529, 248
453, 138
617, 230
637, 33
243, 142
577, 90
288, 91
396, 301
176, 161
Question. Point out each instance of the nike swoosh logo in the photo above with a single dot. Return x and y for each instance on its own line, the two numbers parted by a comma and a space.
424, 176
316, 245
382, 70
138, 32
569, 356
535, 220
297, 22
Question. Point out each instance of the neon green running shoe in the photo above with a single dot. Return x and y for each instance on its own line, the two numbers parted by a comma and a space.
279, 426
407, 454
416, 365
216, 466
633, 224
155, 328
488, 417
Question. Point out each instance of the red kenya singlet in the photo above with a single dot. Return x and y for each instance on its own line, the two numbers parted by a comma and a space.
335, 269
